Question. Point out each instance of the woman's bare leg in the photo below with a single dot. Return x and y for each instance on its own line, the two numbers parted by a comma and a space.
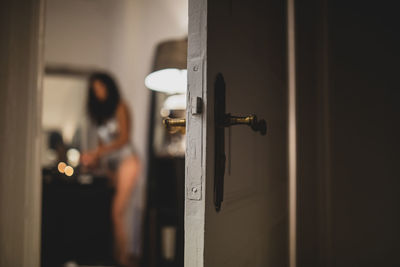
126, 180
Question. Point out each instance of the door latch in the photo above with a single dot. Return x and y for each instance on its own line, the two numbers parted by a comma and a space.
173, 125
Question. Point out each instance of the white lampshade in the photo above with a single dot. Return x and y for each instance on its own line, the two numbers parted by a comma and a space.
175, 102
170, 81
169, 71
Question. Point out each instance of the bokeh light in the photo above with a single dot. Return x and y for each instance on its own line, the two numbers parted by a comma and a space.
69, 171
61, 167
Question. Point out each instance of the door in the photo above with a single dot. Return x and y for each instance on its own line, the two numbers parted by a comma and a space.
245, 42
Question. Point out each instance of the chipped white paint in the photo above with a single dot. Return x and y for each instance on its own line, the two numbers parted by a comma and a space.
194, 135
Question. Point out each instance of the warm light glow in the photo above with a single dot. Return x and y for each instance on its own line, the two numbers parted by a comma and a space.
73, 157
69, 171
170, 81
175, 102
61, 167
164, 112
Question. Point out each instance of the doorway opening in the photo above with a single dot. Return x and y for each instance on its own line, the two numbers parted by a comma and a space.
141, 46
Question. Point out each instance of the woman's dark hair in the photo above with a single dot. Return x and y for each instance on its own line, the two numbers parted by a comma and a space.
55, 140
100, 111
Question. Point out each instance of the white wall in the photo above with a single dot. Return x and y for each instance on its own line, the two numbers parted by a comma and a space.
78, 32
119, 36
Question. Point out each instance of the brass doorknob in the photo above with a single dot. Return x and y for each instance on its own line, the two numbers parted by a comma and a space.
174, 125
250, 120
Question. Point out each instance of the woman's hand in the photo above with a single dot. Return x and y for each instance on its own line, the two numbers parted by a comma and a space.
89, 158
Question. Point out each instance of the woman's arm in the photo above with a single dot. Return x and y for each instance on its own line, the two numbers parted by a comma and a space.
122, 117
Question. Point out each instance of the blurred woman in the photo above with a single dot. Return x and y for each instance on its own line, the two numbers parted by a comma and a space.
111, 116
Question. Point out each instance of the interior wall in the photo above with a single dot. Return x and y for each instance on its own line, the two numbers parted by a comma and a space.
118, 36
365, 110
348, 134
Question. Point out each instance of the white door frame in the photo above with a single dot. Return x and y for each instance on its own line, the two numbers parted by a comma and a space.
196, 154
21, 68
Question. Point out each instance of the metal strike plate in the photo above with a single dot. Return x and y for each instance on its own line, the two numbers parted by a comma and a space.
194, 134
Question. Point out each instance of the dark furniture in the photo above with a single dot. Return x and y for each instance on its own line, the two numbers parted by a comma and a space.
76, 223
165, 208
